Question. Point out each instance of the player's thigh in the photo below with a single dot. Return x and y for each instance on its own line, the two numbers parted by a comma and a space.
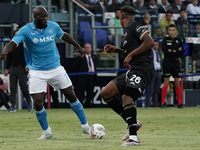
61, 80
176, 73
69, 94
109, 91
166, 69
37, 85
137, 81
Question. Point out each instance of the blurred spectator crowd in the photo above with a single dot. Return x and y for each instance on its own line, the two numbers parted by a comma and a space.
174, 12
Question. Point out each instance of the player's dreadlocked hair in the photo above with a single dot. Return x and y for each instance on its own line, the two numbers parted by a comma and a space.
128, 10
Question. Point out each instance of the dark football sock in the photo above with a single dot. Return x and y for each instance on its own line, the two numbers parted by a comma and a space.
130, 112
116, 105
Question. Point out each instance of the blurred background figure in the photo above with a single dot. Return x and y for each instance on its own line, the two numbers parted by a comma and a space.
177, 6
115, 21
86, 83
185, 31
139, 6
181, 21
166, 21
151, 91
147, 21
4, 99
152, 7
127, 3
193, 8
115, 5
172, 48
164, 7
158, 32
16, 66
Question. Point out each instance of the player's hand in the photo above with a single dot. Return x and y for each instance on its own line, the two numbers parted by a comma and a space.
109, 48
169, 50
3, 56
81, 52
6, 72
127, 60
180, 49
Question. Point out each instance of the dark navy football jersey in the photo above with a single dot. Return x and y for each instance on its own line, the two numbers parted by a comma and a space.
132, 40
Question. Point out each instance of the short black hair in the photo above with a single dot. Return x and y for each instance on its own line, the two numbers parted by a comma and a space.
182, 10
169, 12
129, 10
117, 9
169, 26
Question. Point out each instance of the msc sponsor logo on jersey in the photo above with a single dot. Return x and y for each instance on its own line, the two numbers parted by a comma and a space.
43, 39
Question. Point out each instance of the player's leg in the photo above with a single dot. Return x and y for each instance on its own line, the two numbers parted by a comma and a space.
22, 75
178, 92
176, 75
156, 88
167, 69
3, 99
38, 87
62, 81
131, 114
77, 107
136, 82
149, 93
108, 94
164, 92
13, 89
41, 115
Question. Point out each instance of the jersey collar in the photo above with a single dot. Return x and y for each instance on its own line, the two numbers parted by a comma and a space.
33, 25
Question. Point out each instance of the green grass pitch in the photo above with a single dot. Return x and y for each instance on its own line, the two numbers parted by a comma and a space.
163, 129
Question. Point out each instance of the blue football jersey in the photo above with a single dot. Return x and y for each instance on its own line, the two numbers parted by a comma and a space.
40, 50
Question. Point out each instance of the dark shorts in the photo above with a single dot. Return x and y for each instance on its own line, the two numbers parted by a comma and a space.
133, 83
171, 68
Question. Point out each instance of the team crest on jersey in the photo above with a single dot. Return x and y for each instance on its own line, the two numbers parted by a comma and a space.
35, 40
176, 41
50, 31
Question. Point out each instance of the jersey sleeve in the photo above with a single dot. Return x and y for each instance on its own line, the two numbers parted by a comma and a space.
60, 32
20, 36
138, 30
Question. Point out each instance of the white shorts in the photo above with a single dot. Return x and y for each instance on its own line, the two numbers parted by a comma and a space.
57, 78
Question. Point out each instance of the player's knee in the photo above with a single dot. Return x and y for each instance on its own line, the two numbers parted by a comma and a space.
38, 102
104, 95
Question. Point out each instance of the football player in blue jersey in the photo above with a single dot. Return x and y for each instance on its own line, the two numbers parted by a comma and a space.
43, 60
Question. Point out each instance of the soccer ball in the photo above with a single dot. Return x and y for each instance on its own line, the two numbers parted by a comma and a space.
97, 131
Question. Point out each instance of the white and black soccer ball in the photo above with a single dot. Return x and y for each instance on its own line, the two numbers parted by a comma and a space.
97, 131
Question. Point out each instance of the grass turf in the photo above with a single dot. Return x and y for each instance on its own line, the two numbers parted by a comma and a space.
163, 129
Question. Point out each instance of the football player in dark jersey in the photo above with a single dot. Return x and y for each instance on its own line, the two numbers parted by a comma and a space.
172, 48
137, 51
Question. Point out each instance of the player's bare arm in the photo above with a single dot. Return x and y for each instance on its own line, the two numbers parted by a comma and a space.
112, 49
7, 49
67, 38
147, 44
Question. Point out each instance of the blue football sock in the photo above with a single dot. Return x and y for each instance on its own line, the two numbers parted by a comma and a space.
77, 107
42, 118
